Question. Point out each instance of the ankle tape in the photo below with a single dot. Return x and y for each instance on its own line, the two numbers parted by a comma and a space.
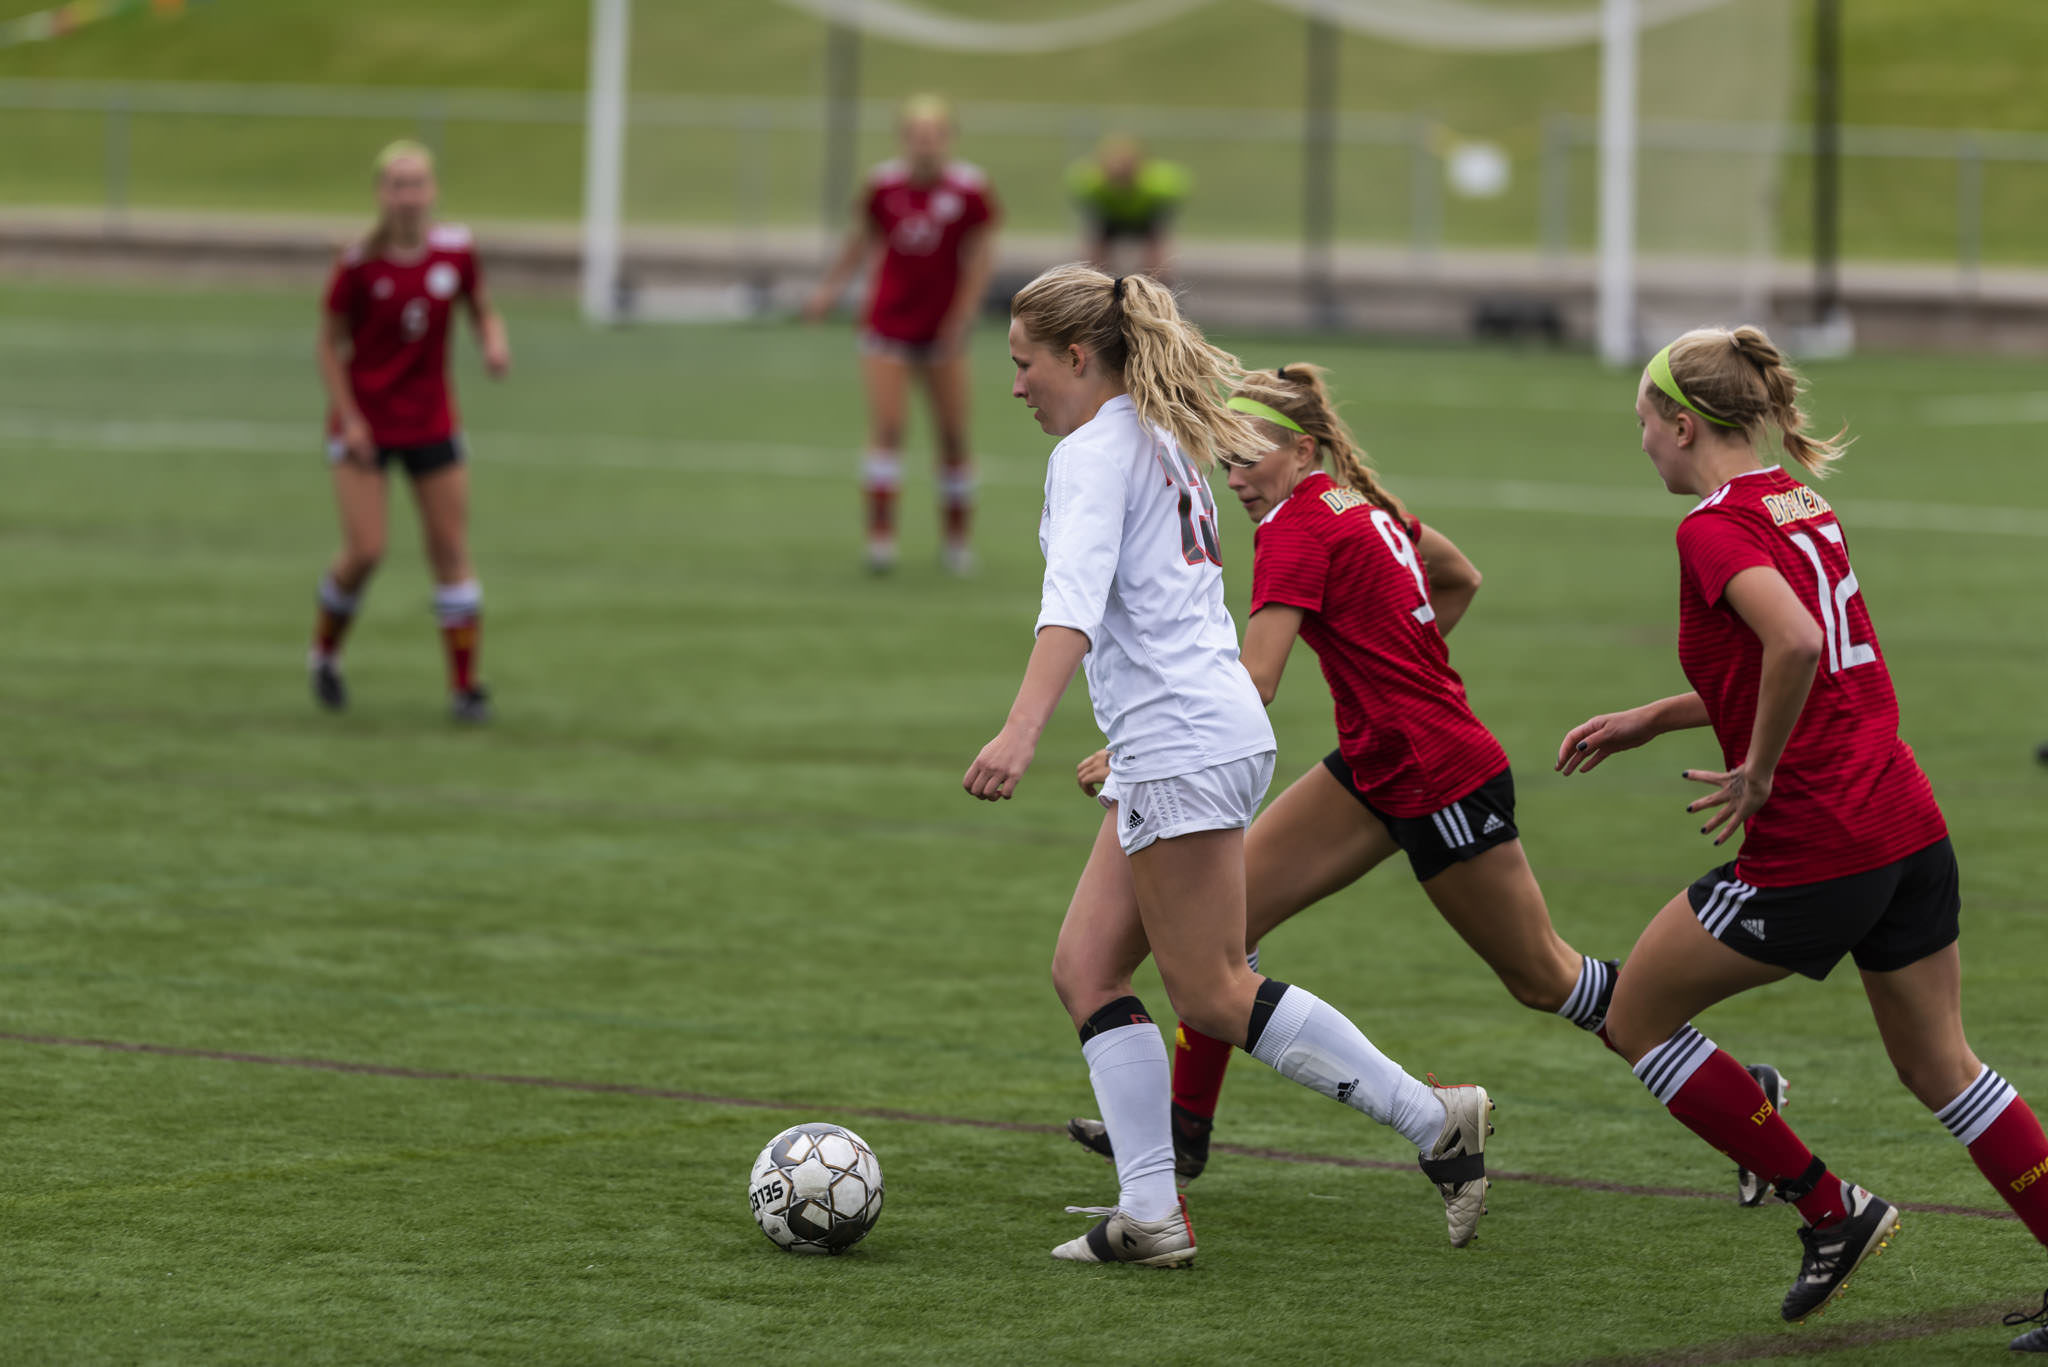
1799, 1188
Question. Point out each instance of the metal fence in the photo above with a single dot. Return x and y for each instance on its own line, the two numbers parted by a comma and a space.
1968, 198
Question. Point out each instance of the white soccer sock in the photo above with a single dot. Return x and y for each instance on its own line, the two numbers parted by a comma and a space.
1133, 1085
455, 604
1584, 1007
1312, 1043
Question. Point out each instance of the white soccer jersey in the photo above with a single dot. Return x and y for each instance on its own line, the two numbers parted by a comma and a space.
1129, 537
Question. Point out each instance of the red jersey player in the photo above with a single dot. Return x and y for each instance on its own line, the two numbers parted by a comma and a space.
1341, 564
925, 227
383, 354
1845, 851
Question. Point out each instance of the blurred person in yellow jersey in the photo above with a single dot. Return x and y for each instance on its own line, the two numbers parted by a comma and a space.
924, 226
1125, 196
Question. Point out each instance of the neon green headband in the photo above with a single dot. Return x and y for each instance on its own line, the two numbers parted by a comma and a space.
1660, 375
1268, 412
404, 147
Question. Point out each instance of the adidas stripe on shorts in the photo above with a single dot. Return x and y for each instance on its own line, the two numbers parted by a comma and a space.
1885, 919
1471, 826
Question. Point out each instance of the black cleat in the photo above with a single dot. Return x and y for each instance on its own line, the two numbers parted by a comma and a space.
2035, 1340
328, 689
2040, 753
1834, 1252
1750, 1189
470, 705
1190, 1142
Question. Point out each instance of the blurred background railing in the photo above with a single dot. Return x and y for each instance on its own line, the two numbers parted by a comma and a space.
751, 165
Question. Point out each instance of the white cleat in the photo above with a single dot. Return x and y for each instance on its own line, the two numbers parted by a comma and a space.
881, 557
1117, 1238
1457, 1161
958, 561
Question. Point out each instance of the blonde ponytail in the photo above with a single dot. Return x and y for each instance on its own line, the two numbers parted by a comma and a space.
1177, 381
1740, 378
1299, 390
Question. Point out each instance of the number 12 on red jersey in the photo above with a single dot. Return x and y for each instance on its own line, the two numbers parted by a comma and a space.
1833, 601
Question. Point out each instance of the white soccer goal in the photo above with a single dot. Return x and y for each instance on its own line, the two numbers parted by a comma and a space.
1688, 166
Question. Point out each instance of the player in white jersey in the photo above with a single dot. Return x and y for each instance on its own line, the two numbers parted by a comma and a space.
1134, 590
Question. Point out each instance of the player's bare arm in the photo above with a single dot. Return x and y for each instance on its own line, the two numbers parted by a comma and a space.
1268, 638
977, 261
1093, 771
491, 337
999, 767
1453, 579
1792, 648
861, 243
1594, 739
332, 352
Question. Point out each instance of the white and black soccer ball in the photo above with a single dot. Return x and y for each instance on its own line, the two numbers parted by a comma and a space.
816, 1188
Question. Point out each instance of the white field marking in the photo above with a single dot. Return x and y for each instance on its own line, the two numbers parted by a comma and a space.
694, 455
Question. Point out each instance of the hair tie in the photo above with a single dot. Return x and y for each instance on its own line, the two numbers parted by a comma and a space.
1281, 375
1116, 289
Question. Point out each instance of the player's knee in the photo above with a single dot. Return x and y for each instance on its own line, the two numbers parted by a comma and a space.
1535, 992
1082, 986
1935, 1079
359, 560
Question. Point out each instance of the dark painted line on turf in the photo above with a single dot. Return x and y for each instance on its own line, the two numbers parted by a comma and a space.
327, 1065
1795, 1343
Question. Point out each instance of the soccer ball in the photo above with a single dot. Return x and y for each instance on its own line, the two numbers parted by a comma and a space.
816, 1189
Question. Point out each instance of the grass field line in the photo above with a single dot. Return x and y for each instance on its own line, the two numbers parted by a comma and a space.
686, 455
386, 1070
1813, 1343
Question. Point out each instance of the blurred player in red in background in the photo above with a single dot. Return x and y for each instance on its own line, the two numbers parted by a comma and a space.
1845, 851
1340, 563
925, 226
383, 354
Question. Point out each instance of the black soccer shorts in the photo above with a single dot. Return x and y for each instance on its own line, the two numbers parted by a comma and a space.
1469, 827
1885, 919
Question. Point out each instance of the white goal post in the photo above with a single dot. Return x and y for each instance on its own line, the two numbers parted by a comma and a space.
604, 157
1630, 229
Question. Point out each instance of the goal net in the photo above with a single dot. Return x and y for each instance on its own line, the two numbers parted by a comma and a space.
1464, 140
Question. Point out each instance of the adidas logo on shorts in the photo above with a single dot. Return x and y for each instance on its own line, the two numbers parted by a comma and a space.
1754, 925
1493, 823
1134, 820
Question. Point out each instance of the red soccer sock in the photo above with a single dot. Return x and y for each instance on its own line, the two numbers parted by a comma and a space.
337, 613
1199, 1062
956, 502
2005, 1142
880, 481
1712, 1095
462, 640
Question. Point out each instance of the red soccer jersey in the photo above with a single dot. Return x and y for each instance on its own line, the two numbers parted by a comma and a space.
1403, 724
398, 329
922, 228
1847, 796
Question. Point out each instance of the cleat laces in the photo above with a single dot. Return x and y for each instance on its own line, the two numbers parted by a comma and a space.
2016, 1319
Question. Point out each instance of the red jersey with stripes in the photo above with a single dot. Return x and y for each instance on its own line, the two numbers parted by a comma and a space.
1848, 795
398, 315
922, 228
1403, 724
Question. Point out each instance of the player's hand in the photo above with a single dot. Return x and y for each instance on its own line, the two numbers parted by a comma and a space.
497, 358
999, 767
1092, 772
1738, 793
818, 306
952, 338
356, 442
1593, 740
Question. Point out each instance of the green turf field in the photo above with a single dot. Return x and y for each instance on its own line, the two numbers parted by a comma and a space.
715, 846
1963, 64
